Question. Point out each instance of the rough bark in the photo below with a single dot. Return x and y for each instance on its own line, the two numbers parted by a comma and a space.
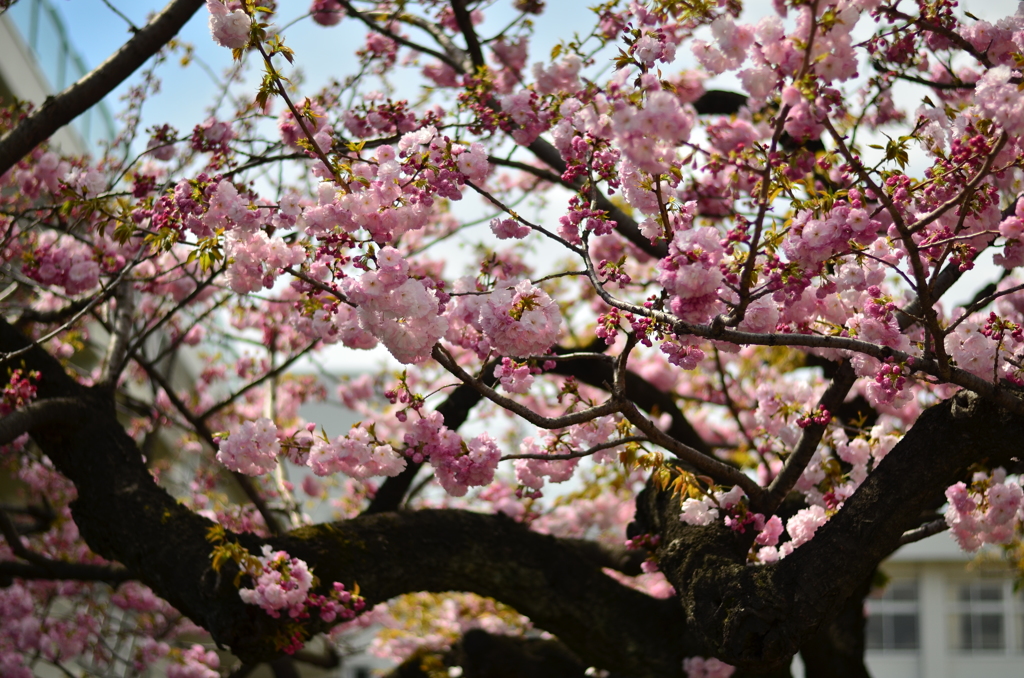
484, 655
837, 649
758, 617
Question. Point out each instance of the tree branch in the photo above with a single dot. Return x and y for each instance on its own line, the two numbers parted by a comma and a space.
600, 374
124, 515
760, 616
49, 412
61, 109
923, 532
465, 23
58, 570
609, 407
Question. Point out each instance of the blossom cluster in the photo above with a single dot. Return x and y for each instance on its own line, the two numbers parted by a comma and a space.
800, 527
356, 454
516, 318
253, 449
458, 464
18, 392
401, 311
531, 473
229, 29
195, 662
282, 584
706, 667
520, 319
984, 513
64, 262
514, 377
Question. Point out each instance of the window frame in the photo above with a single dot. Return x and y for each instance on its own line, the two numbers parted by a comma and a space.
884, 607
1010, 608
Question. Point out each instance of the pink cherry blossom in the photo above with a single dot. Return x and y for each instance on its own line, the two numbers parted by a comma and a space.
253, 449
229, 29
520, 319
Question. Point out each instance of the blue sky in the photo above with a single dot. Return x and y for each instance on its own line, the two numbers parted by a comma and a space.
322, 53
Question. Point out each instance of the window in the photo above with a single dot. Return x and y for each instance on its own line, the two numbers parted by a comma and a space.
979, 619
892, 617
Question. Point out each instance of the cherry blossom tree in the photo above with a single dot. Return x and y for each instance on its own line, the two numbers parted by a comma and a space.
699, 376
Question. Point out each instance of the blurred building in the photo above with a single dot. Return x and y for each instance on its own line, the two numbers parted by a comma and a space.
37, 60
946, 614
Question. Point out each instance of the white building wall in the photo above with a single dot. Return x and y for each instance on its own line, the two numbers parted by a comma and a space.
20, 73
940, 570
38, 59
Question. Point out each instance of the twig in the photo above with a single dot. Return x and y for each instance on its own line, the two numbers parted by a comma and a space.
579, 455
200, 428
448, 362
923, 532
715, 468
213, 409
122, 15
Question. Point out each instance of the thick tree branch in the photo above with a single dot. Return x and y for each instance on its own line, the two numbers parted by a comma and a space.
61, 109
608, 407
124, 515
465, 22
40, 413
837, 649
760, 616
480, 654
618, 558
58, 570
540, 576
